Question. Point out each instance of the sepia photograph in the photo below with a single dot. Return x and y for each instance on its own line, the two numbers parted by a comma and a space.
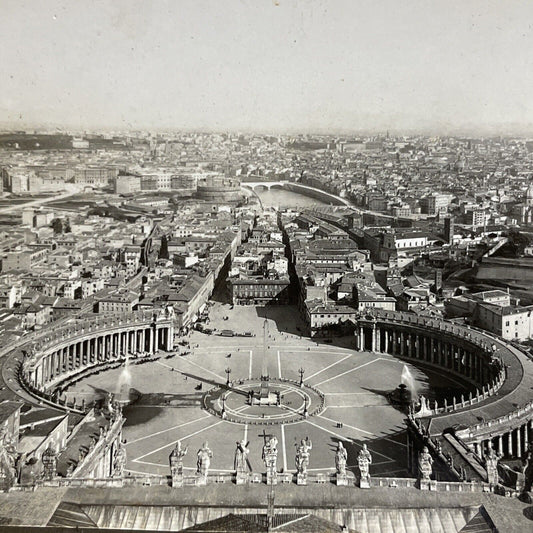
266, 266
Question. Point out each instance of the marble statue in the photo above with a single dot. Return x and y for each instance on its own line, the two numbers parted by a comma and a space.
270, 453
491, 465
341, 457
270, 457
425, 464
241, 463
204, 460
364, 460
110, 402
8, 457
177, 455
176, 464
119, 463
303, 455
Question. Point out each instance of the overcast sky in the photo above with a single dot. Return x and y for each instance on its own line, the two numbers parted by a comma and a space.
315, 65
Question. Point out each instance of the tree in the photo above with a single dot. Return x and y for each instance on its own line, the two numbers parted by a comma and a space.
163, 251
57, 225
66, 226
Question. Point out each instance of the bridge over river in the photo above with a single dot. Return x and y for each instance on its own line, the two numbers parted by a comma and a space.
370, 217
299, 188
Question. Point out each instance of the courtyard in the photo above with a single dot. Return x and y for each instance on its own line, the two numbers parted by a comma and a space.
169, 396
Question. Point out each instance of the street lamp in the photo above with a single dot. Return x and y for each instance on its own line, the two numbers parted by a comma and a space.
301, 371
223, 398
228, 372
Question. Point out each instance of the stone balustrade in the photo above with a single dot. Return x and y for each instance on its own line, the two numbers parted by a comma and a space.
521, 415
257, 477
457, 404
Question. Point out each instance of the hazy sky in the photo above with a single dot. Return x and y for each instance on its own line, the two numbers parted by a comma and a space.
264, 65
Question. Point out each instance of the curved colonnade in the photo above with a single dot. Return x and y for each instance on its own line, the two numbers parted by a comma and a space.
67, 353
498, 414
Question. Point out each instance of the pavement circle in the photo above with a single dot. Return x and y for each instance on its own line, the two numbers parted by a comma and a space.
297, 402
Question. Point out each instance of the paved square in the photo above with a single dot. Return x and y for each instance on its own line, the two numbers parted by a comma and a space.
352, 383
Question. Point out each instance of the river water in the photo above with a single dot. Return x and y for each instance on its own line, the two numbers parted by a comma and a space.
285, 198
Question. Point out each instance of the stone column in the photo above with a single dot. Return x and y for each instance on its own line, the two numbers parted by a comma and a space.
518, 442
476, 449
510, 443
401, 343
170, 338
149, 333
72, 349
361, 339
98, 348
38, 376
499, 446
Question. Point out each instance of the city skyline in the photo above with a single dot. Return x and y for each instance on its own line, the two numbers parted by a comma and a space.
284, 67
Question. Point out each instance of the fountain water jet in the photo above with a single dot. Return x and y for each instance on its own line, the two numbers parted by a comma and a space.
408, 380
124, 383
407, 391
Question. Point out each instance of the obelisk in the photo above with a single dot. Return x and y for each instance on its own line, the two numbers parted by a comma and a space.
264, 393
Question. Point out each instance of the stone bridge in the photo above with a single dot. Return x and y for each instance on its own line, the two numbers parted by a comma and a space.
297, 188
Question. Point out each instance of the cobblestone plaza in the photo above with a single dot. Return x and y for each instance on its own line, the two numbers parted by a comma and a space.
354, 385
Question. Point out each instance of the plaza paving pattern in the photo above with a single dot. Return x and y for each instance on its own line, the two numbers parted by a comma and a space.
353, 384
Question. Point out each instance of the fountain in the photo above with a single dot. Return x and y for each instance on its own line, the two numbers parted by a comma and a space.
409, 381
123, 396
407, 391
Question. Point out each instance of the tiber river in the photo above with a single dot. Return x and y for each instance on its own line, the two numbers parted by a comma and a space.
285, 198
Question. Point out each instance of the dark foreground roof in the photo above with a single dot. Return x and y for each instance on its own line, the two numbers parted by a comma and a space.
259, 523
